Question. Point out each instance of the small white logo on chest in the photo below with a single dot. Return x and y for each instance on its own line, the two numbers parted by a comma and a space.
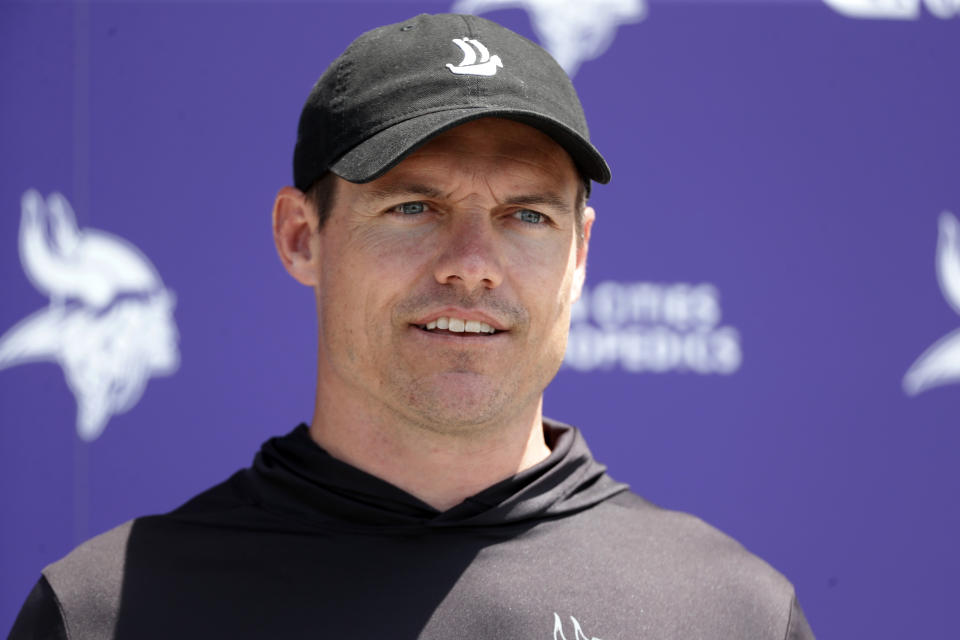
471, 65
578, 632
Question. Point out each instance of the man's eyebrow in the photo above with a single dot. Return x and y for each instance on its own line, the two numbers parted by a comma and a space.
389, 191
553, 200
386, 192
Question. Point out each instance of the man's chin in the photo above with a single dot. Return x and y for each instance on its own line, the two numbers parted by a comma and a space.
457, 401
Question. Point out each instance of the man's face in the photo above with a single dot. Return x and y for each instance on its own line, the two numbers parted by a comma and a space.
445, 286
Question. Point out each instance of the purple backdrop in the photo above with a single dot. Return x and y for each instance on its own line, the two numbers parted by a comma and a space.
763, 272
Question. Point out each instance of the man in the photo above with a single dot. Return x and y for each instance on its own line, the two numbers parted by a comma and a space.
439, 216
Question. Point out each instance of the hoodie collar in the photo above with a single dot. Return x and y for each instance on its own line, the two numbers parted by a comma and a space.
294, 475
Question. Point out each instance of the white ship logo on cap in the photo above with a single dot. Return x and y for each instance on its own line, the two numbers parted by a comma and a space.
487, 65
940, 364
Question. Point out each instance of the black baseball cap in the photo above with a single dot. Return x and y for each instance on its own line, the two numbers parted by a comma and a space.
397, 86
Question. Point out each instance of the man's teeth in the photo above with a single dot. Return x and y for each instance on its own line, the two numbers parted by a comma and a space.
458, 325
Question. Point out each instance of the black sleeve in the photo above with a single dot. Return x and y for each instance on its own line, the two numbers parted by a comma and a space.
39, 618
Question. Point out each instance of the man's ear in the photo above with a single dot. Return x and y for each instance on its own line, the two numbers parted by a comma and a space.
580, 274
295, 234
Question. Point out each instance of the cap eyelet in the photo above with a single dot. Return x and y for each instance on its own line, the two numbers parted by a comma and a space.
406, 27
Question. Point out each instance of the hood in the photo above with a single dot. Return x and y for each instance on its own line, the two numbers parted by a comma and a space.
294, 475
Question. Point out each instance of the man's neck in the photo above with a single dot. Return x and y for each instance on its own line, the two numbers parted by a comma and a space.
440, 468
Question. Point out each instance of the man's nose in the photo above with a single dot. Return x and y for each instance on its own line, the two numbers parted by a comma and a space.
471, 255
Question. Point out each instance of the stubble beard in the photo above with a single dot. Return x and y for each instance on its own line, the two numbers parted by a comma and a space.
458, 392
456, 401
463, 399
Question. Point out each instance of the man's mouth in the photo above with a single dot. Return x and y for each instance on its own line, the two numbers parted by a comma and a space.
446, 324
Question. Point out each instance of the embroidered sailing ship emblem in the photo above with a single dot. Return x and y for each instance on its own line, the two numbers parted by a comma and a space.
471, 65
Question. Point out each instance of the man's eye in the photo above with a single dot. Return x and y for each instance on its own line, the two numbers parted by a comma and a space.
532, 217
410, 208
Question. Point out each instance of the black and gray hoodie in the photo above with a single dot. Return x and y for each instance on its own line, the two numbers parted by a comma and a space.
302, 545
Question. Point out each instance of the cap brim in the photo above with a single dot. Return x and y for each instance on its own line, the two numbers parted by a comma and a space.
385, 149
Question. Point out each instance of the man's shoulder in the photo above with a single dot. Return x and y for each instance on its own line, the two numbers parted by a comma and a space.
98, 555
78, 596
685, 540
88, 581
689, 560
676, 527
102, 556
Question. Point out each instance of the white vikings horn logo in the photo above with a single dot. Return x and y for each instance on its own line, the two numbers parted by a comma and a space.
571, 30
110, 321
894, 9
940, 364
